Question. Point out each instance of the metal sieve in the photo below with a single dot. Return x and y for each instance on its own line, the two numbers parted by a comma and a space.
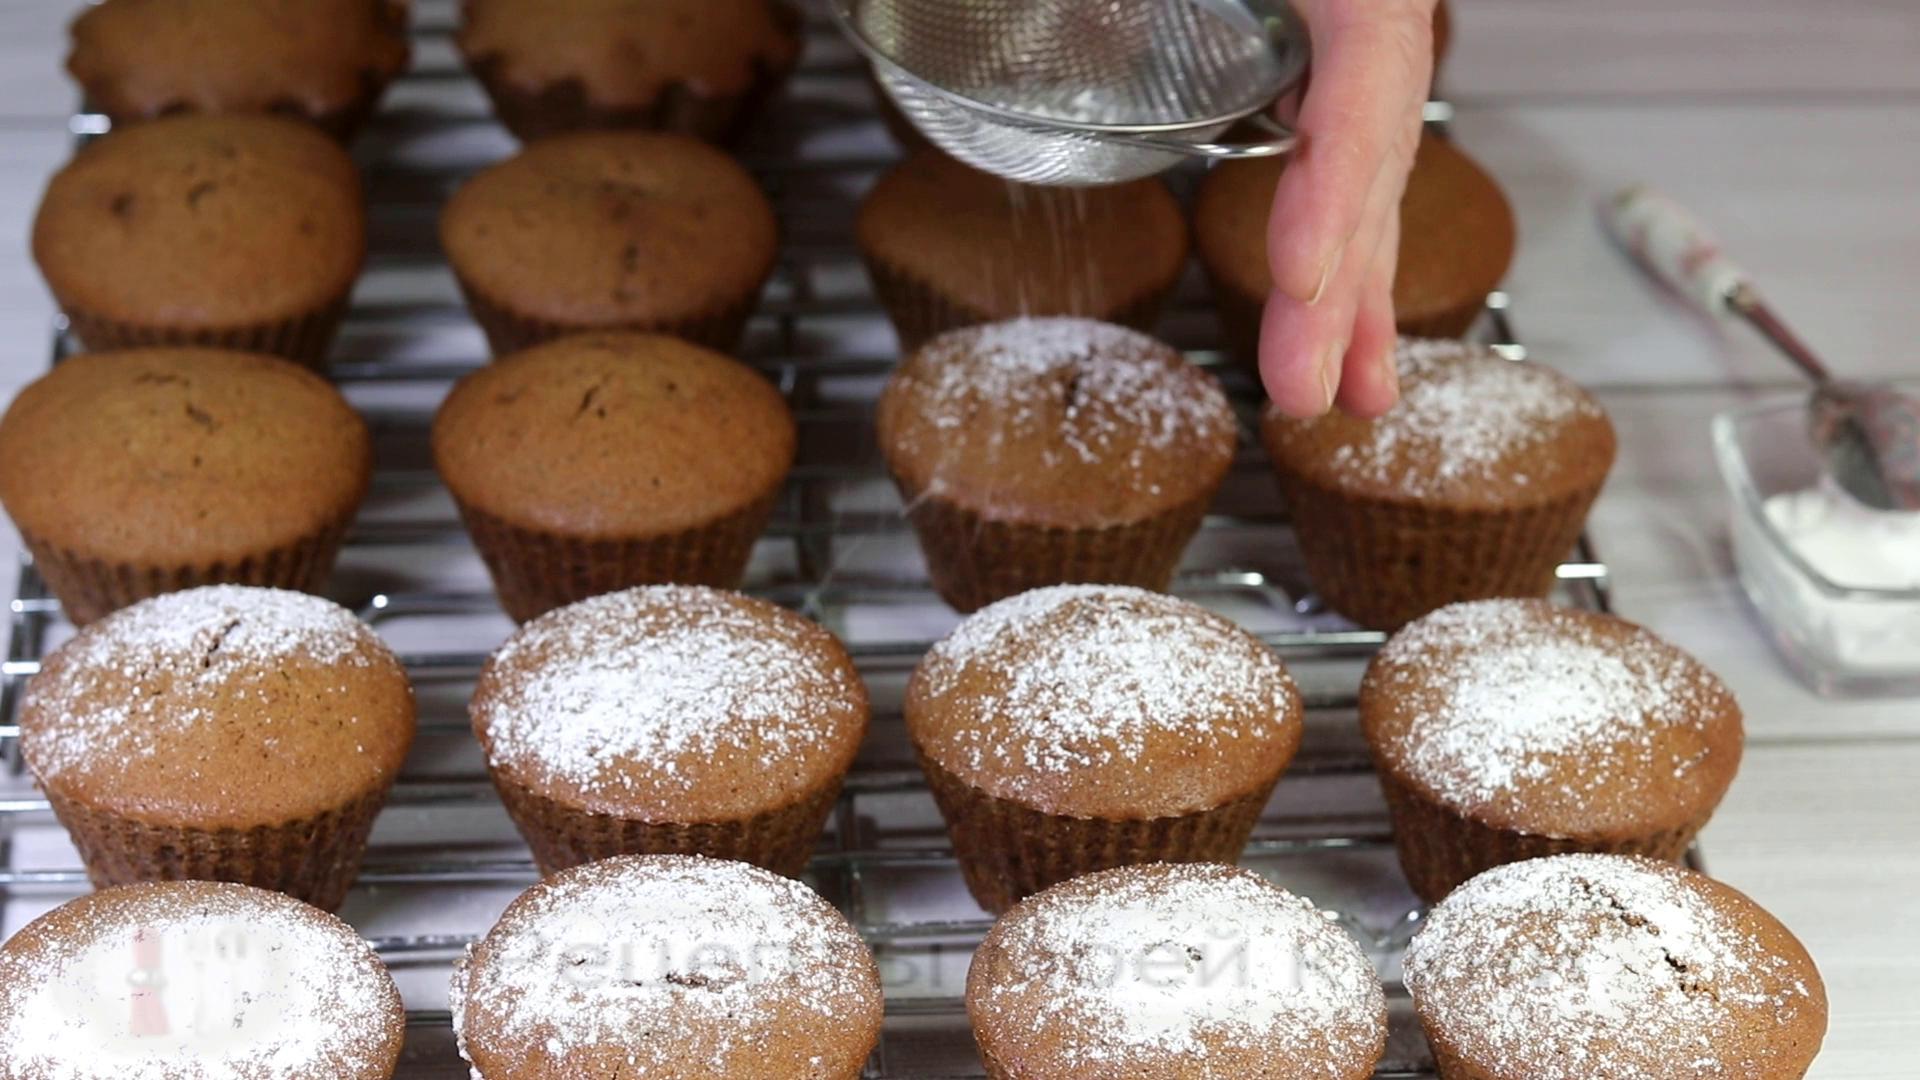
1082, 92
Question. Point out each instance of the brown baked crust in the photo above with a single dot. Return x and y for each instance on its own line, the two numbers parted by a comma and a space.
994, 250
696, 66
324, 61
203, 224
180, 457
612, 230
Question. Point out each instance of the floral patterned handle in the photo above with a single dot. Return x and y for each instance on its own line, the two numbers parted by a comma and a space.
1666, 240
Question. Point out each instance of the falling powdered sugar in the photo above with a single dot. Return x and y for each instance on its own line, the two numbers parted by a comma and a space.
1127, 968
1580, 966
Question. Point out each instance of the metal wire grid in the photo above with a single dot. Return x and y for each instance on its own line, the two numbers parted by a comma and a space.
838, 550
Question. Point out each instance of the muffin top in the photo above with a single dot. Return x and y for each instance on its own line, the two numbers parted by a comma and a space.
1149, 970
138, 59
611, 228
1457, 231
1005, 250
1063, 422
626, 53
1547, 720
1105, 701
668, 965
203, 221
180, 456
1471, 430
1579, 966
671, 703
195, 980
220, 707
614, 435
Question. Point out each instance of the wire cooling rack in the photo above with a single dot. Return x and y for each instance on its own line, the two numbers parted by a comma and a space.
445, 860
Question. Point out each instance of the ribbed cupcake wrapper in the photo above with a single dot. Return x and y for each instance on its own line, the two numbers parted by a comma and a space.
781, 839
536, 571
1384, 564
564, 107
1008, 852
89, 588
920, 313
1450, 1066
974, 561
314, 859
304, 339
1439, 849
1240, 317
509, 332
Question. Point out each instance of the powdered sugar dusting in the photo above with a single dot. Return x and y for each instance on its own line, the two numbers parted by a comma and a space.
1505, 691
126, 685
1580, 966
682, 962
192, 981
1464, 414
1085, 674
1128, 967
624, 691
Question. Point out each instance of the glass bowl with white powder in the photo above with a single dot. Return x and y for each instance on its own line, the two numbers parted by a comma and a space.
1837, 583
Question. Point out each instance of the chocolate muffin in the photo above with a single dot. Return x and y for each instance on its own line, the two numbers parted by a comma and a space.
1045, 451
1457, 239
322, 61
1475, 485
1079, 728
1146, 971
604, 461
611, 231
670, 719
1509, 729
697, 67
242, 232
668, 965
226, 734
1583, 966
950, 246
193, 980
135, 473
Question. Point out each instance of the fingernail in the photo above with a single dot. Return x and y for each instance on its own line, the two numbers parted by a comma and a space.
1392, 367
1331, 268
1330, 367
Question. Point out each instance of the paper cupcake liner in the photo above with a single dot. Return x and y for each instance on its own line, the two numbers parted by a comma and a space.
1440, 849
304, 339
89, 588
1384, 564
1451, 323
781, 839
974, 560
313, 859
562, 107
1007, 851
510, 332
536, 571
1240, 317
920, 312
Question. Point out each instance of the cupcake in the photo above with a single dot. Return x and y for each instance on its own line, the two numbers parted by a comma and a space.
1583, 966
1509, 729
1457, 238
1045, 451
611, 231
696, 67
950, 246
667, 965
1147, 971
322, 61
195, 980
242, 232
225, 733
670, 719
135, 473
604, 461
1476, 485
1079, 728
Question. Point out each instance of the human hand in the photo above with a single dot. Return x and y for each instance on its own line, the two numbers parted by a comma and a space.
1333, 241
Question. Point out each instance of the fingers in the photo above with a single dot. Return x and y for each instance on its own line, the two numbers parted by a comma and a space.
1370, 382
1371, 59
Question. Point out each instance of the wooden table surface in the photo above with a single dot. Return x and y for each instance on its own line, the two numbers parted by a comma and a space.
1795, 127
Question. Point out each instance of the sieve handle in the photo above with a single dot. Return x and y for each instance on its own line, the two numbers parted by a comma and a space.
1280, 139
